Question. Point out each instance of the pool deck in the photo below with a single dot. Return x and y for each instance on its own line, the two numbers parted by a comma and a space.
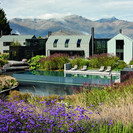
92, 72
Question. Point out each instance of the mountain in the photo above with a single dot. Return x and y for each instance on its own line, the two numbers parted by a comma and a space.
73, 24
110, 20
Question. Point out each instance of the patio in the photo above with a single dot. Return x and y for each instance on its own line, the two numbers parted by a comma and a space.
92, 72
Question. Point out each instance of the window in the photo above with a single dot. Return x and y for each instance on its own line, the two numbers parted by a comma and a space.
78, 43
6, 43
119, 44
66, 43
55, 43
5, 51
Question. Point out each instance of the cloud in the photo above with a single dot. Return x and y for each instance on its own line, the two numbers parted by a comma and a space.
59, 8
53, 15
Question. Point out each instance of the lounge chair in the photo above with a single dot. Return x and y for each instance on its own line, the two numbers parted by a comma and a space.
101, 69
84, 68
108, 69
75, 67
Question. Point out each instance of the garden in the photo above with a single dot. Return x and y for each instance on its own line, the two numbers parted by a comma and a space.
107, 110
57, 61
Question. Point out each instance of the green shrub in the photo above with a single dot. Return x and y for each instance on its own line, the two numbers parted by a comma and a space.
131, 62
34, 61
54, 62
18, 96
121, 64
3, 62
80, 62
4, 56
103, 60
17, 43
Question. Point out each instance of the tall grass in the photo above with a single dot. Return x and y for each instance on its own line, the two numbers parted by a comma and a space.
107, 110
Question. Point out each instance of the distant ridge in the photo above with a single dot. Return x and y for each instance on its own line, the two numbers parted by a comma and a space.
110, 20
72, 24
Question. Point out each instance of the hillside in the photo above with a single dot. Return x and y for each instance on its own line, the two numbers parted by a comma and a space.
74, 24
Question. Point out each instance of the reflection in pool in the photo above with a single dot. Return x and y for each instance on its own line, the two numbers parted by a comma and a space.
51, 82
46, 89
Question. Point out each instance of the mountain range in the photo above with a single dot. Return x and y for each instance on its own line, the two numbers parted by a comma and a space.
72, 24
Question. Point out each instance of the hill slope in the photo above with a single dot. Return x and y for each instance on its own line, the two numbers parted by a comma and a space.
73, 23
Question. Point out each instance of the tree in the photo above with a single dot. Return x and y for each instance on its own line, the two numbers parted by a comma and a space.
13, 43
4, 24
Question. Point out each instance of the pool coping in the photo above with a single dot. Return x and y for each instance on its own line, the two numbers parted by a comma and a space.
92, 72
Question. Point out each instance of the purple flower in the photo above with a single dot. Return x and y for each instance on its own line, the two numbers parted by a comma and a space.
90, 113
61, 98
101, 103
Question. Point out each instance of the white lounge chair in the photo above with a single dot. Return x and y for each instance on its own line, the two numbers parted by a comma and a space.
84, 68
75, 67
108, 69
101, 69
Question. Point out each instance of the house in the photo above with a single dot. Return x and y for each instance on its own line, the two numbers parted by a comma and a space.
69, 44
121, 46
6, 40
33, 47
82, 45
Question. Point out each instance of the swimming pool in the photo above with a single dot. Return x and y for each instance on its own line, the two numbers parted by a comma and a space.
60, 83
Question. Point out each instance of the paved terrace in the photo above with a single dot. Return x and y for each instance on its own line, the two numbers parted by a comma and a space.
92, 72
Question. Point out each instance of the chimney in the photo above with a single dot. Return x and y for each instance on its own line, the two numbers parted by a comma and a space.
49, 33
92, 33
121, 31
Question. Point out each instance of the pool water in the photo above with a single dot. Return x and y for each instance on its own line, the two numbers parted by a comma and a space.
45, 83
46, 89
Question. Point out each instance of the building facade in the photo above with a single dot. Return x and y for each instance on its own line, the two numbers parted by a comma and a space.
33, 47
121, 46
69, 44
6, 40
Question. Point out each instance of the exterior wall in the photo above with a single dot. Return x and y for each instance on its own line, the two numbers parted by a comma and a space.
10, 38
2, 48
72, 45
128, 46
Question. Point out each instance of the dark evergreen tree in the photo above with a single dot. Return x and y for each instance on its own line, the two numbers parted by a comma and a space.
4, 24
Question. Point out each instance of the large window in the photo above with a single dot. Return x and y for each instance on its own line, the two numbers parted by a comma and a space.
78, 43
6, 43
66, 43
100, 46
55, 43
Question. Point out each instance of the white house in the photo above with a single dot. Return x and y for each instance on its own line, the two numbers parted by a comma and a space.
69, 44
122, 46
6, 40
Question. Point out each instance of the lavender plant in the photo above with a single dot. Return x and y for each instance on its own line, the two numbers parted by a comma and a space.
50, 117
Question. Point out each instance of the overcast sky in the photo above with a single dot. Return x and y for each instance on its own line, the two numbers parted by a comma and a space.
91, 9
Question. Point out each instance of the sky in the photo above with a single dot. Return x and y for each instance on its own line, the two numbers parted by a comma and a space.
91, 9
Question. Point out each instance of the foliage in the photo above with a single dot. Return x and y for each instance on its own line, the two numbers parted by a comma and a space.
4, 56
4, 24
54, 117
7, 82
3, 62
96, 61
80, 62
3, 59
90, 110
120, 65
17, 43
54, 62
34, 61
131, 62
18, 96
